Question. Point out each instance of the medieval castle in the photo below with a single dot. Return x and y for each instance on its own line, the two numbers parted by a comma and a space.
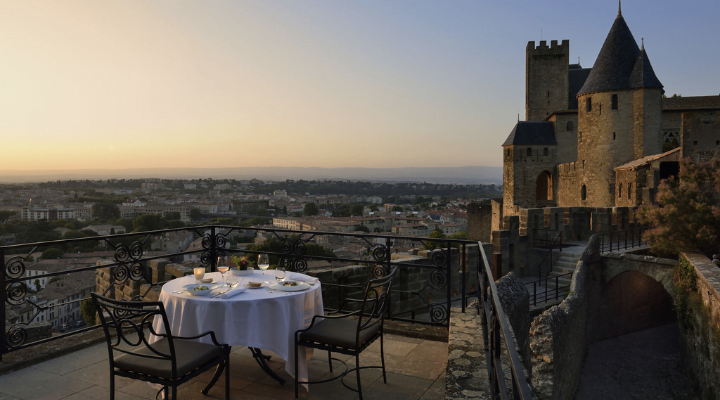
602, 136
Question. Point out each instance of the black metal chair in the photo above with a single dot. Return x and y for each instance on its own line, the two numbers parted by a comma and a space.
170, 361
337, 332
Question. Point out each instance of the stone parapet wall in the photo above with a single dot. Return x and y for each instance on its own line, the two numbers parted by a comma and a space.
701, 344
559, 337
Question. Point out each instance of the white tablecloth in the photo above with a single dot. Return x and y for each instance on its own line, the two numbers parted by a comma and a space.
254, 318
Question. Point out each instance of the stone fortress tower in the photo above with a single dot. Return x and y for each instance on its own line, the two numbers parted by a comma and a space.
594, 137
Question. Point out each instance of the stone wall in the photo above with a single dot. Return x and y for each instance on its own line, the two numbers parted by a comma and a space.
700, 135
521, 172
479, 222
559, 336
701, 344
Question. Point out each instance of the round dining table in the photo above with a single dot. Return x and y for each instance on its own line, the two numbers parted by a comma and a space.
257, 318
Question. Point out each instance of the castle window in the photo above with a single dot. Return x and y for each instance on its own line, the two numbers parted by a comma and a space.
717, 143
569, 126
529, 152
600, 108
588, 104
545, 151
548, 94
583, 192
620, 191
613, 135
629, 190
695, 143
583, 164
614, 102
580, 137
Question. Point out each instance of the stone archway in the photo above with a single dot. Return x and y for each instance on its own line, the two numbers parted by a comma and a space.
630, 301
544, 187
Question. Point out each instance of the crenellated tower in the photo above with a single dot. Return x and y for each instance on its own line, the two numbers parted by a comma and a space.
546, 78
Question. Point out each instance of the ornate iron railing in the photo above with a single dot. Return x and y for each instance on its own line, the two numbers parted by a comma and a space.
442, 273
622, 240
496, 335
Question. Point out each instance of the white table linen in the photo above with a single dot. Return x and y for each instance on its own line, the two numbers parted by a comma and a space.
254, 318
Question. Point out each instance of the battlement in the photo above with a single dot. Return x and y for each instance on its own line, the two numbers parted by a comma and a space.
554, 47
567, 169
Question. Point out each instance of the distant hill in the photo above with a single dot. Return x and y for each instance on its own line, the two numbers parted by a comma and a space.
484, 175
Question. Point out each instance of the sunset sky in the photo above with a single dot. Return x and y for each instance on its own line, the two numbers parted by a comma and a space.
141, 84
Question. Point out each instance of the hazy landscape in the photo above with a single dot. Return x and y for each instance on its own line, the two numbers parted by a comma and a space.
468, 175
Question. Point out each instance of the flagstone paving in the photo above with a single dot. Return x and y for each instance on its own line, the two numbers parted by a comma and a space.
415, 370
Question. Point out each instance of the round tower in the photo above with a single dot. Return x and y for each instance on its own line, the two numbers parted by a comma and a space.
619, 115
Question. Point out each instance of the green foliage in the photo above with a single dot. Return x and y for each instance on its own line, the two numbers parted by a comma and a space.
437, 234
148, 222
460, 235
396, 208
88, 311
670, 144
195, 214
274, 245
685, 283
105, 211
310, 209
356, 210
5, 215
362, 228
170, 216
222, 221
52, 253
373, 207
687, 216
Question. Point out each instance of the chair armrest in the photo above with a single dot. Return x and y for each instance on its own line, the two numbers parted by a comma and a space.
211, 333
326, 317
344, 303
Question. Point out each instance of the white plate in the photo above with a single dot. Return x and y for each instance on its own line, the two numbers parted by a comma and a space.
301, 286
262, 285
190, 290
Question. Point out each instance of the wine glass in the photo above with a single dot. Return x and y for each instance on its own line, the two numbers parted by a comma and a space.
263, 263
223, 265
199, 273
280, 275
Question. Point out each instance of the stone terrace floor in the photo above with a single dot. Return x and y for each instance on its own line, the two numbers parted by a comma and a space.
415, 370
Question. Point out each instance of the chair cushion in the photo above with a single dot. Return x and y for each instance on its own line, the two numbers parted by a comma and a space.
188, 356
339, 332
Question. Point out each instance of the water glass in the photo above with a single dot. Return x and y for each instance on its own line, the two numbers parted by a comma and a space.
280, 275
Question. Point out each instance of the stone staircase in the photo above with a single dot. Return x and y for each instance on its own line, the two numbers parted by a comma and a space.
566, 264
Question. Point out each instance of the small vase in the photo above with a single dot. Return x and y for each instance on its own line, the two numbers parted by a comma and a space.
242, 272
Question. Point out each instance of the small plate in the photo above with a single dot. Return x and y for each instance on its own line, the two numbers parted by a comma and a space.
262, 285
192, 292
301, 286
208, 282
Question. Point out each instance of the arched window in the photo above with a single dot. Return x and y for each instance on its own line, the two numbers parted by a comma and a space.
614, 102
583, 192
569, 126
588, 104
545, 151
529, 152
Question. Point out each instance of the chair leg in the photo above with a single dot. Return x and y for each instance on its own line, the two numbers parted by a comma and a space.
174, 392
357, 373
296, 369
167, 393
330, 360
112, 385
227, 376
382, 358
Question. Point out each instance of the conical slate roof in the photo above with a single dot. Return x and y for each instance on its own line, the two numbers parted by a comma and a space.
643, 75
532, 132
616, 60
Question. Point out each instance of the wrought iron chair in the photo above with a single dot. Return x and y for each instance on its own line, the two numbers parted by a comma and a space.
170, 361
337, 332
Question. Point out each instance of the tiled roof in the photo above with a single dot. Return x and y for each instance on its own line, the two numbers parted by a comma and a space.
691, 103
576, 80
532, 132
672, 155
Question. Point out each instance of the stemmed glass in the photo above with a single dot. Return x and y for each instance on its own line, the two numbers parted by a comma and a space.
263, 264
280, 275
223, 265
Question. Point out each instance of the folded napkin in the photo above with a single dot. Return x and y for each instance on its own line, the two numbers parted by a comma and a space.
232, 292
304, 278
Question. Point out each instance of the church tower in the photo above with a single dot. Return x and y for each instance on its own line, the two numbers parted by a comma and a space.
619, 115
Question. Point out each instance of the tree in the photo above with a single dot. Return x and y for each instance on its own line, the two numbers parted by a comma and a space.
195, 214
362, 228
88, 311
52, 253
373, 207
172, 216
396, 208
37, 285
436, 234
105, 211
356, 210
310, 209
5, 215
148, 222
687, 216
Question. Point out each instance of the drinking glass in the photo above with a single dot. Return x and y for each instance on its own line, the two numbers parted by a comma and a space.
199, 273
223, 265
280, 275
263, 263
